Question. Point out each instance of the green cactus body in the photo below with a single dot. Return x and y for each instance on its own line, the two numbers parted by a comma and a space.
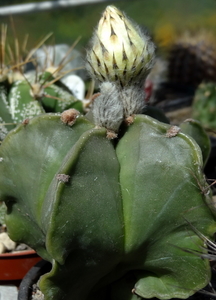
22, 104
195, 129
163, 169
204, 105
62, 97
18, 101
113, 218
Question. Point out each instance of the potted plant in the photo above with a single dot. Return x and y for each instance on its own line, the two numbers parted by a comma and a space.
15, 265
115, 200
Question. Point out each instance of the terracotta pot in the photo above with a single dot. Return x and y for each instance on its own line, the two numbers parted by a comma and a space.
14, 266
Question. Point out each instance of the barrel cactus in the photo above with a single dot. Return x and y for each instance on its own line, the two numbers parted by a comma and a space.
114, 199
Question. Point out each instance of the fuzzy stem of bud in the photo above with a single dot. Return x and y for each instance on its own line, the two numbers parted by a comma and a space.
108, 109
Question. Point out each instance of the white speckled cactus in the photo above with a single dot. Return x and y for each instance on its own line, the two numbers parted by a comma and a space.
24, 96
24, 99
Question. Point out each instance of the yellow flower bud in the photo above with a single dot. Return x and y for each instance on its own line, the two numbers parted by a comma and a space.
120, 51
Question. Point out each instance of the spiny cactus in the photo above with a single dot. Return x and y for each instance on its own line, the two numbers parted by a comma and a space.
24, 99
204, 105
192, 59
67, 56
115, 217
23, 96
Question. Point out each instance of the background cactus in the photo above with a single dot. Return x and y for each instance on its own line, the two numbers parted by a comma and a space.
24, 95
192, 59
24, 99
69, 58
204, 105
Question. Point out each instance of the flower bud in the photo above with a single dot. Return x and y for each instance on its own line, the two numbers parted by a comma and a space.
120, 51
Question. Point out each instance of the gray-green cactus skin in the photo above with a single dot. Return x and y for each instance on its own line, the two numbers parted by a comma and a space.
18, 102
114, 217
195, 129
204, 105
190, 127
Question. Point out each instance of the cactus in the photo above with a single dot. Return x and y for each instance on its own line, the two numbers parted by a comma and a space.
192, 59
113, 201
25, 99
23, 96
102, 213
204, 105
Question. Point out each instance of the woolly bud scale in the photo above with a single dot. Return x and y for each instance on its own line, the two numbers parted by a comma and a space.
132, 98
108, 110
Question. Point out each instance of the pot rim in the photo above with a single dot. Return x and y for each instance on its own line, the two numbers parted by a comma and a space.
18, 253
